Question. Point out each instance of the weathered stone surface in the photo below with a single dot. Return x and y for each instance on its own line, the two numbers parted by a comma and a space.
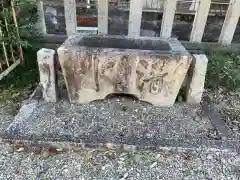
45, 58
152, 69
195, 86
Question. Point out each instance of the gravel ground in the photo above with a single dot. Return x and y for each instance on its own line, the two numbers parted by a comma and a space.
168, 164
7, 113
119, 120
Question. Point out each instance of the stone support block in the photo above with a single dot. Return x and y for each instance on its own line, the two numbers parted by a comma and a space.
195, 85
45, 58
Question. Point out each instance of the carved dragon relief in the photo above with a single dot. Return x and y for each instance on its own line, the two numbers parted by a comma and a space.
151, 74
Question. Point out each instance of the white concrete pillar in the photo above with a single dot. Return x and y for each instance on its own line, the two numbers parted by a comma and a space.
200, 21
41, 18
103, 16
230, 23
70, 16
135, 17
168, 17
45, 58
195, 85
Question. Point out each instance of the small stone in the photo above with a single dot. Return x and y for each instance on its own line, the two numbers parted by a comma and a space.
65, 170
59, 149
125, 175
149, 135
45, 154
21, 149
137, 158
209, 156
153, 165
10, 148
139, 122
237, 161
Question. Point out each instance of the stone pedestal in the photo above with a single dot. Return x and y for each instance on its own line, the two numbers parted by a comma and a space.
151, 69
45, 58
195, 86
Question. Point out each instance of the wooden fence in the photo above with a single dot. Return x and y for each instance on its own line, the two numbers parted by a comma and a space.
200, 8
10, 51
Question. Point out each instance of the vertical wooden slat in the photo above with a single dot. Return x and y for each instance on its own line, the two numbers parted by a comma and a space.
230, 22
1, 65
41, 18
103, 16
17, 31
4, 48
200, 21
135, 17
70, 16
11, 47
6, 27
168, 17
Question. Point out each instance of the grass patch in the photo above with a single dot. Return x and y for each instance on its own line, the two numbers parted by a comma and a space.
223, 71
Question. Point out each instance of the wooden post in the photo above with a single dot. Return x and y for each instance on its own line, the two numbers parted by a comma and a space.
230, 22
168, 17
70, 16
135, 17
41, 18
103, 16
200, 21
4, 49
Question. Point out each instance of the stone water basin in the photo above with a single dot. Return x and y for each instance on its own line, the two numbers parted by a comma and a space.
151, 69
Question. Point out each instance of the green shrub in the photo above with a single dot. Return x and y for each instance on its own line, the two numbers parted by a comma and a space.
24, 78
223, 70
27, 17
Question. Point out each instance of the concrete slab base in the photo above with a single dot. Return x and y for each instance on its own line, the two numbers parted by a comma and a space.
118, 123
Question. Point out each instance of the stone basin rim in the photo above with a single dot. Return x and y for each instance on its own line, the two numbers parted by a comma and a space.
145, 45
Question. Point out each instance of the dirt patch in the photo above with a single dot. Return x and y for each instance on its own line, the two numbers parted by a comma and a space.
228, 105
7, 114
